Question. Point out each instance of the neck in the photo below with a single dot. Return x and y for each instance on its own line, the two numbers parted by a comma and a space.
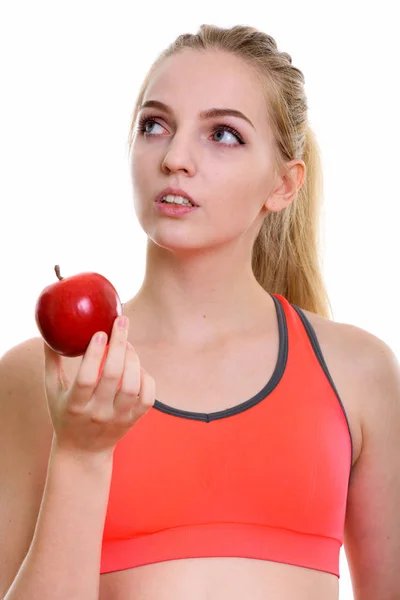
199, 297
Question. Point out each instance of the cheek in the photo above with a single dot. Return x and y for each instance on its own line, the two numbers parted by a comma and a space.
232, 213
241, 192
137, 165
139, 177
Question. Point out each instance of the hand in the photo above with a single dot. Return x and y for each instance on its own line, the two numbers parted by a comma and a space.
95, 411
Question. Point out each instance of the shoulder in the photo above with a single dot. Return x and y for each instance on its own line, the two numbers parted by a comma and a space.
21, 371
23, 408
22, 391
369, 370
28, 351
366, 368
370, 358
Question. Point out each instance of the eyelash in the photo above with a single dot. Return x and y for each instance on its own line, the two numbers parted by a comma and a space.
219, 127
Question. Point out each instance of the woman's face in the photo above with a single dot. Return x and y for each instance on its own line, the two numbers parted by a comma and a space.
229, 175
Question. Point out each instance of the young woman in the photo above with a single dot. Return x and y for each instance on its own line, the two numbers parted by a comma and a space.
237, 436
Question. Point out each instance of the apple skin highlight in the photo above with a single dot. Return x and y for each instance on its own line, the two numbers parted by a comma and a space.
70, 311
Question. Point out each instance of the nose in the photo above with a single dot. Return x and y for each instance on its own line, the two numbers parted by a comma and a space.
178, 158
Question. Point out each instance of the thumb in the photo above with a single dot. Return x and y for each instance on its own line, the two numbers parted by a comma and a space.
55, 376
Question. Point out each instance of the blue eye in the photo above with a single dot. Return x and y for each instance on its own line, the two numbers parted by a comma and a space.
226, 128
143, 125
146, 121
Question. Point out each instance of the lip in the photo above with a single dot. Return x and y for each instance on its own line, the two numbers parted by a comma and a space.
174, 192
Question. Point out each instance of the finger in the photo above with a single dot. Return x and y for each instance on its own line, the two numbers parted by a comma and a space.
88, 374
113, 366
103, 360
129, 389
147, 393
140, 404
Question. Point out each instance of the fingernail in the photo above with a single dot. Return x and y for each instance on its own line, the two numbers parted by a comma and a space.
122, 322
100, 338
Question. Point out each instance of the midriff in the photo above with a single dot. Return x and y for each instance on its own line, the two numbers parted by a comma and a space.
218, 579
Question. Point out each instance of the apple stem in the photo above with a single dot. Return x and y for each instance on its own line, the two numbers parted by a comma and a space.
57, 270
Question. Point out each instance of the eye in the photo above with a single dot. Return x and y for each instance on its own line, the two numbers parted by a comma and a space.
145, 125
222, 129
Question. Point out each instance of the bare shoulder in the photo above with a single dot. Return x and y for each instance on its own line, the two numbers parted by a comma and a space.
26, 429
361, 365
22, 373
22, 399
368, 372
357, 350
24, 415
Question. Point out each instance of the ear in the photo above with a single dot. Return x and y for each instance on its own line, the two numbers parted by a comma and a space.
287, 187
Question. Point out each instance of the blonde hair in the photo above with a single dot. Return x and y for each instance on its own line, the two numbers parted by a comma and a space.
285, 257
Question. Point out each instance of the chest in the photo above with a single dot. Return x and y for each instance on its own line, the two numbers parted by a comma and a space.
203, 469
233, 372
213, 379
261, 446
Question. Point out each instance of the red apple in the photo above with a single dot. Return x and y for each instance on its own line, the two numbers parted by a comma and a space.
70, 311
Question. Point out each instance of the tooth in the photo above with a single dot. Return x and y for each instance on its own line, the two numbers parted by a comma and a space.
181, 200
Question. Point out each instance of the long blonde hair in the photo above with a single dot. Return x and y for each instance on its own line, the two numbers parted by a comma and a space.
286, 256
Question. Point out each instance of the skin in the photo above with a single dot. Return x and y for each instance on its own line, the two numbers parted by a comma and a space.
199, 295
204, 259
209, 294
204, 262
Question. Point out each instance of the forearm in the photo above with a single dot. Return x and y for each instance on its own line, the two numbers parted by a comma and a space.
63, 562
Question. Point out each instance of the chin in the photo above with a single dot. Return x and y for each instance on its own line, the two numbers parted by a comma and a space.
175, 245
175, 239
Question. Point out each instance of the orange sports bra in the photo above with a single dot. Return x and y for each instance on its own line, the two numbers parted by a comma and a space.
267, 479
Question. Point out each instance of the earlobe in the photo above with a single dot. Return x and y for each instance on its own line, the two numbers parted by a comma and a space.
274, 205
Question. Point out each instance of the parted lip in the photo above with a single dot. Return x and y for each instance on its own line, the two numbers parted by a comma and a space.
175, 192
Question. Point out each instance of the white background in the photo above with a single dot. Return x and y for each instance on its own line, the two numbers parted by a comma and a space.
70, 74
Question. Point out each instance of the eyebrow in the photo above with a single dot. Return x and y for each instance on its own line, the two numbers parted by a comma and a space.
204, 114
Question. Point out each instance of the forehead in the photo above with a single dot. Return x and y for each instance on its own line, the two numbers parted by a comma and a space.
194, 80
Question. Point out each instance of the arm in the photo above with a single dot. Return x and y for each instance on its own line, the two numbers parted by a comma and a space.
372, 532
55, 555
63, 561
